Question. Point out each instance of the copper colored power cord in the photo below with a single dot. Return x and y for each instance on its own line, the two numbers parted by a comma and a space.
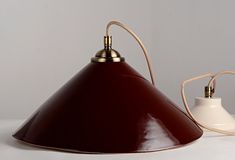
150, 68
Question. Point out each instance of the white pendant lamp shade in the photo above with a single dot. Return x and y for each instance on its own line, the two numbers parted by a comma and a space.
210, 112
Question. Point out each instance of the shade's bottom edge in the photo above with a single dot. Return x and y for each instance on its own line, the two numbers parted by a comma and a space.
100, 153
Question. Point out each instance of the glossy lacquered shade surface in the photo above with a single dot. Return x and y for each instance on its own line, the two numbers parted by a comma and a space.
108, 108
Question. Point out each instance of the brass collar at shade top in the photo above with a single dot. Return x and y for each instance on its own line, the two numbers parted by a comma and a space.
107, 54
209, 91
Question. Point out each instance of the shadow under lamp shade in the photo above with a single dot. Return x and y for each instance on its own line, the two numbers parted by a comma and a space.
108, 107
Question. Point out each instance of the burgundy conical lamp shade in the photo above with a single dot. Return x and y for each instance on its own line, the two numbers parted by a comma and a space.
109, 108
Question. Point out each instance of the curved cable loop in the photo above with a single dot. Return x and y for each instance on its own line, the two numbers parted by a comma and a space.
218, 75
213, 77
125, 27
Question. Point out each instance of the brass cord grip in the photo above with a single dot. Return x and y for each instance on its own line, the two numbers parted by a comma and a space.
209, 91
107, 42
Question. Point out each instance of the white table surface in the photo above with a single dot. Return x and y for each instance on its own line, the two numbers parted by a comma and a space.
211, 146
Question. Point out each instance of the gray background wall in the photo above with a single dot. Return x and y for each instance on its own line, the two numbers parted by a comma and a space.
43, 43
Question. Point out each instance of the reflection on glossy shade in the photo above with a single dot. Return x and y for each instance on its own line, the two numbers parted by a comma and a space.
108, 108
156, 136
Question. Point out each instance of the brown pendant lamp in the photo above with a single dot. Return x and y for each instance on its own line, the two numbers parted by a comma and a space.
108, 107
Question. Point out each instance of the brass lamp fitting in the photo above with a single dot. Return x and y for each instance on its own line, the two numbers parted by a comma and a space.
209, 91
107, 54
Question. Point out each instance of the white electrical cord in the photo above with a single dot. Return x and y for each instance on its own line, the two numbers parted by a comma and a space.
212, 82
150, 68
